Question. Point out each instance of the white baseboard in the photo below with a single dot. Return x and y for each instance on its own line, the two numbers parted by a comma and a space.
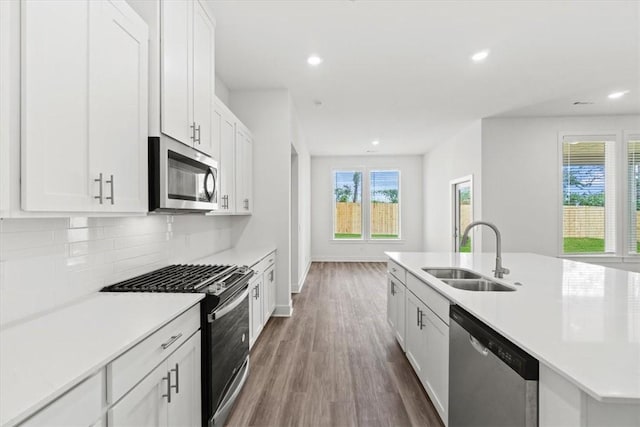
298, 288
283, 311
333, 258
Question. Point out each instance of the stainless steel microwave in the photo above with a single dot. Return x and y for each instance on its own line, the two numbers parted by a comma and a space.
181, 178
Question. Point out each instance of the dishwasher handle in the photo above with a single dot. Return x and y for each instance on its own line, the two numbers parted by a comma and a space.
477, 346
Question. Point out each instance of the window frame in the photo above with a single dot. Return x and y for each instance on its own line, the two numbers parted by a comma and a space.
369, 234
333, 204
365, 216
621, 253
626, 202
453, 213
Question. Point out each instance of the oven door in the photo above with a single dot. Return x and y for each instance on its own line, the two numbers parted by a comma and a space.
185, 178
228, 357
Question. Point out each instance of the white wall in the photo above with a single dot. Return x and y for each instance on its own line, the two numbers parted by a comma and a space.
460, 156
304, 203
267, 113
521, 177
222, 91
324, 248
50, 262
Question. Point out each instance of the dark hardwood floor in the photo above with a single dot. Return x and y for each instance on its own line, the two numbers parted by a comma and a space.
335, 362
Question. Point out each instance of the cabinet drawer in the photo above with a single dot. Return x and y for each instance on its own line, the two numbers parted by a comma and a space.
81, 406
399, 272
431, 298
128, 369
264, 263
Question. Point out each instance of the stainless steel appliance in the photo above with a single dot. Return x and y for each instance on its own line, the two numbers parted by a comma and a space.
492, 382
181, 178
224, 326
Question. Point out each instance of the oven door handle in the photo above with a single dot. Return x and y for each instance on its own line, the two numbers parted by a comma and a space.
228, 307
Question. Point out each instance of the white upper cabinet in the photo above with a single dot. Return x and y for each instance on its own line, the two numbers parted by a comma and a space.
84, 107
187, 73
244, 170
177, 69
224, 146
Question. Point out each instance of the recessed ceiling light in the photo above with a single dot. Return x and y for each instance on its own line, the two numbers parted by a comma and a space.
480, 56
314, 60
616, 95
375, 142
317, 103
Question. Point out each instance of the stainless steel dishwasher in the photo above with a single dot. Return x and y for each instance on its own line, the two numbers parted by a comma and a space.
492, 382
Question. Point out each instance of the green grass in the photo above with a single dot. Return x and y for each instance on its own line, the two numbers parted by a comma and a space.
384, 236
466, 247
578, 245
347, 236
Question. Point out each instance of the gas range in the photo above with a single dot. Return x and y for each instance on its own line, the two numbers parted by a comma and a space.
224, 325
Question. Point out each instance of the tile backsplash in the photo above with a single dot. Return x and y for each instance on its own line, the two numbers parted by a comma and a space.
50, 262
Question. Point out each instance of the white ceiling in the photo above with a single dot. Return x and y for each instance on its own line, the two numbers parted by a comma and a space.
400, 71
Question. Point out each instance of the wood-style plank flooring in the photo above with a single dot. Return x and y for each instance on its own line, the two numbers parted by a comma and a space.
335, 362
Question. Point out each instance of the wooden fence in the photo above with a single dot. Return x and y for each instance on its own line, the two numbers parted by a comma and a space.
384, 218
586, 221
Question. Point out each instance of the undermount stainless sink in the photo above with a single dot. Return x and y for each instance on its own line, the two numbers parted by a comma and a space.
451, 273
477, 285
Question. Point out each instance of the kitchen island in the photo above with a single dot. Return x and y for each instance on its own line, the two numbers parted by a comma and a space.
581, 321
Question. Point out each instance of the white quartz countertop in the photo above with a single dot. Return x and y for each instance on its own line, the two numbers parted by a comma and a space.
581, 320
248, 257
43, 358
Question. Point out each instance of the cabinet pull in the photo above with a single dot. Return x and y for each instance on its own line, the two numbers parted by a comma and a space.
271, 276
171, 340
417, 316
246, 204
112, 197
393, 288
193, 132
168, 380
421, 319
177, 385
99, 181
197, 138
226, 201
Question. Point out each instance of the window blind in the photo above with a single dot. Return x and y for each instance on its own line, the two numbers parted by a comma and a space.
633, 186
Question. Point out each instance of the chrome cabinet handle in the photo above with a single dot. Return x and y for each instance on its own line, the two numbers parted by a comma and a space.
226, 201
417, 316
246, 203
168, 380
177, 384
421, 319
393, 289
171, 340
197, 138
112, 198
193, 132
271, 276
99, 196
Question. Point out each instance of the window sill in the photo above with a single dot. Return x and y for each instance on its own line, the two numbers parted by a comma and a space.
367, 241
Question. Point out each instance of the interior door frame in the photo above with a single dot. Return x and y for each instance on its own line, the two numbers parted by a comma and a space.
453, 215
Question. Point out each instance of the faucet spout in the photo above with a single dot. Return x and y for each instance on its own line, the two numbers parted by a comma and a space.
500, 271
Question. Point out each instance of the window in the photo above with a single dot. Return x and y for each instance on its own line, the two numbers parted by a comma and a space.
633, 185
384, 213
462, 212
347, 189
377, 217
588, 195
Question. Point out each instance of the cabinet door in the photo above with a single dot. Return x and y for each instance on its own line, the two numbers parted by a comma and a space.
118, 105
268, 299
225, 129
399, 299
146, 404
184, 367
414, 334
176, 83
436, 362
244, 171
54, 107
391, 304
203, 78
255, 308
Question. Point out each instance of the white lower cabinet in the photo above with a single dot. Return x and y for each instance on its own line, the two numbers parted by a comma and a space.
256, 292
80, 406
168, 396
427, 348
262, 295
396, 308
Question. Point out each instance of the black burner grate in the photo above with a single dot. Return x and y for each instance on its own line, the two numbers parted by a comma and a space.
173, 278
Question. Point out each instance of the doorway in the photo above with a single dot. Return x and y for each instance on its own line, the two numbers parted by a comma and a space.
462, 211
293, 244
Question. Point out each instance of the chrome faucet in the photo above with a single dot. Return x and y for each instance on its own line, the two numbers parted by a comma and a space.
500, 271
